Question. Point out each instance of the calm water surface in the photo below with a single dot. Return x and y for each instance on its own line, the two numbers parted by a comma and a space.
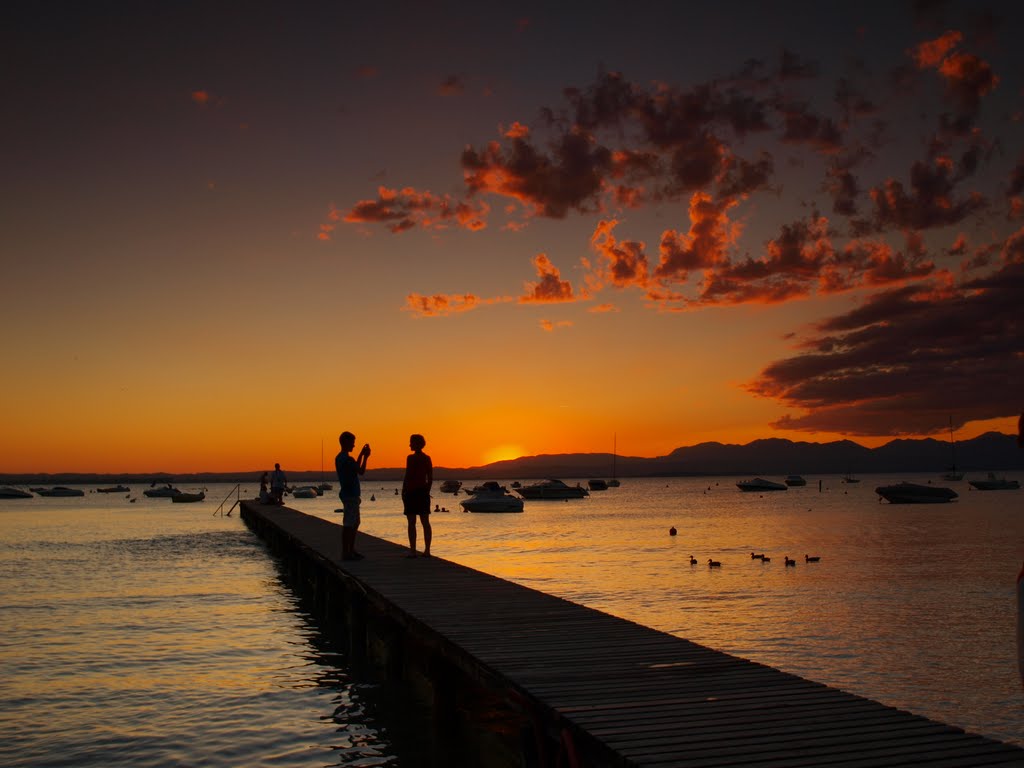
158, 634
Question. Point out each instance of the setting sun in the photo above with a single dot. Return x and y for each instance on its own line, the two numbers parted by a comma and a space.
502, 453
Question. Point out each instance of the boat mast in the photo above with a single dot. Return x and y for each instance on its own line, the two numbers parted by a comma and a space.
952, 445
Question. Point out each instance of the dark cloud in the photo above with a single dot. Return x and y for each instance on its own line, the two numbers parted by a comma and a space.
929, 203
1016, 185
570, 178
451, 86
804, 127
908, 359
793, 67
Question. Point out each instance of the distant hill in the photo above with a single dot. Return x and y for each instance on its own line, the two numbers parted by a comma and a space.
991, 451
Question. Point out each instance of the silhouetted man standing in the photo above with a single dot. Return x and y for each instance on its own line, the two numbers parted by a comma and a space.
349, 470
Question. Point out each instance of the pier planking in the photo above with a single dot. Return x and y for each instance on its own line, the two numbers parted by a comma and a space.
620, 693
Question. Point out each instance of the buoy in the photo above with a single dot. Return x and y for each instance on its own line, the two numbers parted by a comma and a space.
372, 497
672, 531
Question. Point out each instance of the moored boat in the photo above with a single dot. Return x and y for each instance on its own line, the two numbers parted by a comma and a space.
114, 489
451, 486
552, 489
495, 498
305, 492
184, 497
164, 492
915, 493
596, 484
61, 490
7, 492
993, 483
760, 484
795, 480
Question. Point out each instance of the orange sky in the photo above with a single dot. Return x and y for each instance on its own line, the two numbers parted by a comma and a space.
523, 231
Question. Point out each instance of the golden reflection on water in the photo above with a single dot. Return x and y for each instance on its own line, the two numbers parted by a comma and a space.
910, 604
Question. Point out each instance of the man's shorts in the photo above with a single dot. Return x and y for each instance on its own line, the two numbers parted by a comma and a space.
350, 517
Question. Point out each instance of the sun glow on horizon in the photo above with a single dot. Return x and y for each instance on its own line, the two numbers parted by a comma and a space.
502, 453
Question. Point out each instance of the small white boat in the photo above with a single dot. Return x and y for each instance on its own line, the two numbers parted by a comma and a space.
305, 492
760, 484
993, 483
915, 493
795, 480
493, 499
164, 492
7, 492
552, 489
61, 490
597, 484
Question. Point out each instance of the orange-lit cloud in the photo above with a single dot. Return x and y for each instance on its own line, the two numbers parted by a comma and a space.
551, 325
930, 54
570, 179
439, 305
550, 288
703, 246
625, 263
404, 209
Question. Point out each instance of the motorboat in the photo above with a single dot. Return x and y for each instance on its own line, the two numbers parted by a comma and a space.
188, 498
993, 483
324, 487
451, 486
493, 499
305, 492
552, 489
61, 490
489, 486
114, 489
760, 484
7, 492
850, 479
795, 480
163, 492
915, 493
597, 484
614, 483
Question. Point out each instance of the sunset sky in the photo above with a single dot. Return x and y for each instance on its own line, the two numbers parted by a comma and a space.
230, 231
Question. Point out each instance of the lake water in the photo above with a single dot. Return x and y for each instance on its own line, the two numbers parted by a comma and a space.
160, 634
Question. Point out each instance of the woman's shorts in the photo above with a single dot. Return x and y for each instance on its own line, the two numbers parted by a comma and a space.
417, 501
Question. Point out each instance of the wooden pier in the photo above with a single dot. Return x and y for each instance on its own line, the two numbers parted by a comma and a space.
522, 678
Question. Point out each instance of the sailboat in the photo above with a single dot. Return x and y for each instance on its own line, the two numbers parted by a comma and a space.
323, 486
952, 473
614, 482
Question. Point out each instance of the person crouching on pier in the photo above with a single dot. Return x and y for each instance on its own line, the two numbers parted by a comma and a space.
349, 470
